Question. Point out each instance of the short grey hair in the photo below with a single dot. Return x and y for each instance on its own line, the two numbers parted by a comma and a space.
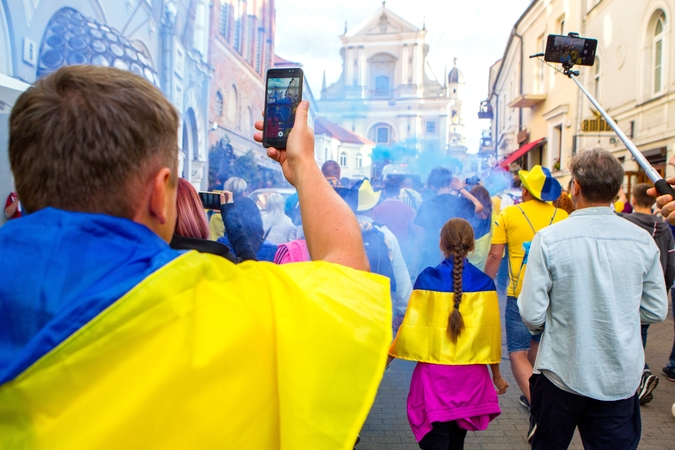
599, 174
235, 185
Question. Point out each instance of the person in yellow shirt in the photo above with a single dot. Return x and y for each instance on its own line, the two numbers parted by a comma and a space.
515, 228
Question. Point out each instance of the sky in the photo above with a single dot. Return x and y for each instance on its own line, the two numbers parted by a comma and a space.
475, 32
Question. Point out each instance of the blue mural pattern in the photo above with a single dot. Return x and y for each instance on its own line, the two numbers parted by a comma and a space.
71, 38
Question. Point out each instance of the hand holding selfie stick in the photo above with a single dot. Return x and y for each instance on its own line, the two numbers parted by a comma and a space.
661, 185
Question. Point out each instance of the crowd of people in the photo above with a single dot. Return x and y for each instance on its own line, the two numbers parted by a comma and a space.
277, 330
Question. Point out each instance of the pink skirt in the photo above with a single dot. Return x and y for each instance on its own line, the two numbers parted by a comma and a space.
441, 393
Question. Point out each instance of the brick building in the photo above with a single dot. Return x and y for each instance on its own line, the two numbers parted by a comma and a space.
241, 49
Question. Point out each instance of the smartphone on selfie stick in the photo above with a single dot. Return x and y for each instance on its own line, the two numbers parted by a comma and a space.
283, 88
573, 50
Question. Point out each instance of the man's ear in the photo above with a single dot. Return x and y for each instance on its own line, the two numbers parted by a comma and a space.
160, 196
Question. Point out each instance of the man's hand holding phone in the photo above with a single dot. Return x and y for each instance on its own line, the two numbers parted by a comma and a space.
226, 197
300, 147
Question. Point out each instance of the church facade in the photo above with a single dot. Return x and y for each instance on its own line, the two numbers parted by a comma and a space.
387, 91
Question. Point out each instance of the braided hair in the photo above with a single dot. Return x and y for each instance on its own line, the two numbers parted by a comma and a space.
456, 242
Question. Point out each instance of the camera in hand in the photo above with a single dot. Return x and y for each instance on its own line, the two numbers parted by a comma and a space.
570, 50
472, 181
210, 200
284, 93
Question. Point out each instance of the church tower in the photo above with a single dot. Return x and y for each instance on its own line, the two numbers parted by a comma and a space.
455, 91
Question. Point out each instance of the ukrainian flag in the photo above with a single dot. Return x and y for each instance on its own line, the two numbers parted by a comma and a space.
423, 335
203, 354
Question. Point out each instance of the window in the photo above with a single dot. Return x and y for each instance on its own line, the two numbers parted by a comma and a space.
233, 106
325, 154
382, 85
561, 25
259, 50
224, 25
596, 79
658, 53
383, 135
539, 67
359, 160
557, 143
219, 104
343, 159
431, 127
238, 25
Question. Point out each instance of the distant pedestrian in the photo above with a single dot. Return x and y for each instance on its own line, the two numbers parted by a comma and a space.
397, 216
452, 330
409, 195
483, 224
591, 281
192, 229
276, 225
451, 200
642, 216
515, 227
331, 171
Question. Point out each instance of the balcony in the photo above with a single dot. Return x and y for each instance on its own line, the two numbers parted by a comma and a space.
527, 101
485, 110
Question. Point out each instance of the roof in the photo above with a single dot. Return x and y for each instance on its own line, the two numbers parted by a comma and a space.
455, 75
382, 21
281, 62
323, 126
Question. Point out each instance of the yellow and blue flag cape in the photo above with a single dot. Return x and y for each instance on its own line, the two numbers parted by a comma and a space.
201, 354
423, 335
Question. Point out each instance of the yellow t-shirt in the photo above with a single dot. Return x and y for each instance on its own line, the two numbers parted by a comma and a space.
216, 227
512, 228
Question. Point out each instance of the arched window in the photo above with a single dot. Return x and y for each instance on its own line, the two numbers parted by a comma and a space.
249, 120
219, 104
343, 159
658, 53
596, 79
359, 160
233, 106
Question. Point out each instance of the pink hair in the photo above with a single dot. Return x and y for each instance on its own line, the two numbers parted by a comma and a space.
190, 220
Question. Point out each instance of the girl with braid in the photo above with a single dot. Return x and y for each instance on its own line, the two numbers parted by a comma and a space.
452, 329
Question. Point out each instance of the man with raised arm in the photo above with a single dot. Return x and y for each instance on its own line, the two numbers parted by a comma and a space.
109, 338
591, 281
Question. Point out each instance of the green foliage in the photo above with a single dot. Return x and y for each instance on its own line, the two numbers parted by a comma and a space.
245, 167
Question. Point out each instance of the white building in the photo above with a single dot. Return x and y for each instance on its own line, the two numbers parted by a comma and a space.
351, 151
541, 117
387, 92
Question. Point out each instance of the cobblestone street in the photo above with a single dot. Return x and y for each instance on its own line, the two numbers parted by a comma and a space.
387, 425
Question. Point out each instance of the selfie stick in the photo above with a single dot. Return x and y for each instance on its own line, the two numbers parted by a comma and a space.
661, 185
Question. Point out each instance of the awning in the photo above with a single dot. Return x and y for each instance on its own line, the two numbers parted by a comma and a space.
520, 152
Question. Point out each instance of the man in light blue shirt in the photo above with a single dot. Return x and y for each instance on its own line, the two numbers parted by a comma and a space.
591, 281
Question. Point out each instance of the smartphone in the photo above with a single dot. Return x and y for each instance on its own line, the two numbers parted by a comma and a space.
571, 50
210, 200
283, 89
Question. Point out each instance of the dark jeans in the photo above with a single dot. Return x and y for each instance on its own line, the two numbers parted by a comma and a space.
671, 363
603, 425
444, 436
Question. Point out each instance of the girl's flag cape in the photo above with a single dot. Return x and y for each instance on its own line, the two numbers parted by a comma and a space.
203, 354
424, 336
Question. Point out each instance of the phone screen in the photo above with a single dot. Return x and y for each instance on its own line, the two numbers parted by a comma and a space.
210, 200
284, 93
571, 50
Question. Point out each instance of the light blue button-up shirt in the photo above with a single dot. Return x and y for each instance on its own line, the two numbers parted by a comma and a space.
590, 281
